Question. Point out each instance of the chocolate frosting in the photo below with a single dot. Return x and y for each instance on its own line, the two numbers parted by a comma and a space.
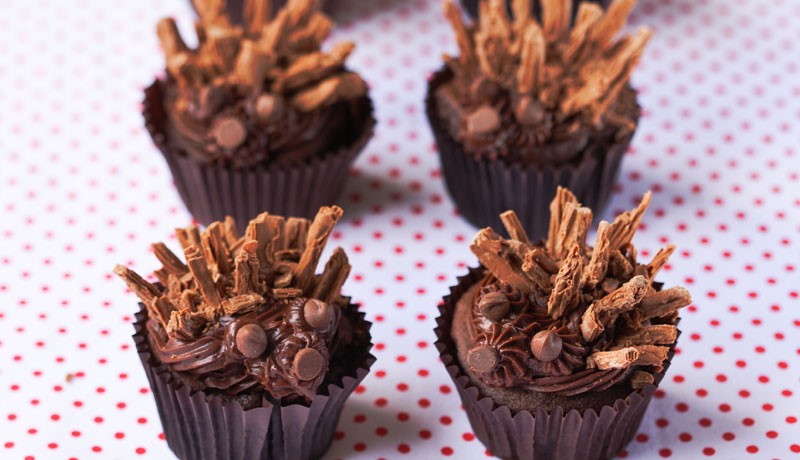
248, 312
566, 318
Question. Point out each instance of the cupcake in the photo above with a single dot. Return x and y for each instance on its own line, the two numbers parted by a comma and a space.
249, 353
472, 6
526, 108
556, 348
257, 116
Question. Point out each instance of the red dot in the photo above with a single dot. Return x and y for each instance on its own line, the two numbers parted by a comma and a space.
728, 436
795, 448
360, 447
447, 451
404, 448
685, 437
705, 422
747, 421
468, 437
665, 453
425, 434
709, 451
445, 420
752, 449
772, 434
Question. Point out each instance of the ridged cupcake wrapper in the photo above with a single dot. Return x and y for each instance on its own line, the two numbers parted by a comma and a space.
539, 434
483, 189
215, 190
471, 6
201, 427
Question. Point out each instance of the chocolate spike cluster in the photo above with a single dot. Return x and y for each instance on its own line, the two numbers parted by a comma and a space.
247, 310
552, 315
554, 73
273, 60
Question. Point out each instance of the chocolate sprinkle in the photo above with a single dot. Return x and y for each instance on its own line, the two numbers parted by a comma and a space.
483, 358
494, 306
229, 132
318, 314
546, 345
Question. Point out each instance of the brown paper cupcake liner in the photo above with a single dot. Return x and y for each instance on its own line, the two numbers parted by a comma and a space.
215, 190
198, 426
483, 189
539, 434
471, 6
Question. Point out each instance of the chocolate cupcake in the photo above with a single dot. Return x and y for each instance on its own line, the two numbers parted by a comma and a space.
257, 116
556, 348
472, 6
526, 108
249, 353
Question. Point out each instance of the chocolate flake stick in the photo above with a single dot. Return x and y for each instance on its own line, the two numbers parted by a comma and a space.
317, 237
539, 268
575, 223
598, 264
257, 14
169, 37
333, 277
556, 17
587, 17
659, 334
251, 64
188, 237
296, 232
501, 258
493, 39
319, 27
611, 23
143, 289
532, 57
273, 34
659, 260
242, 303
172, 264
212, 12
522, 13
624, 226
259, 232
641, 355
465, 45
199, 268
514, 227
314, 66
562, 199
640, 379
231, 235
663, 303
216, 251
300, 11
567, 286
246, 270
346, 85
603, 312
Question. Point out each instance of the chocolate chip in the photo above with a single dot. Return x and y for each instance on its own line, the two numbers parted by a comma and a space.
484, 120
308, 364
529, 111
483, 358
268, 106
229, 132
546, 345
318, 314
494, 306
251, 340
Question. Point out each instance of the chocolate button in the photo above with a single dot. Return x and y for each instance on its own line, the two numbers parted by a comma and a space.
483, 358
484, 120
308, 364
267, 106
494, 306
529, 112
317, 314
229, 132
546, 345
251, 340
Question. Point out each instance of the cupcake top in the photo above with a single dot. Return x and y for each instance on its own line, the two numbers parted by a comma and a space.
247, 312
566, 318
536, 92
263, 92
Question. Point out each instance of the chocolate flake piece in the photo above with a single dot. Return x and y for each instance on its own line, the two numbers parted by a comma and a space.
336, 271
621, 231
660, 334
531, 68
144, 290
659, 260
483, 359
567, 285
514, 227
463, 38
603, 312
251, 340
502, 258
556, 17
614, 359
286, 293
546, 345
188, 237
483, 121
169, 37
494, 306
199, 268
664, 303
257, 14
563, 198
308, 364
229, 132
314, 67
186, 324
318, 314
539, 268
317, 237
341, 87
251, 64
493, 39
640, 379
575, 223
596, 268
242, 304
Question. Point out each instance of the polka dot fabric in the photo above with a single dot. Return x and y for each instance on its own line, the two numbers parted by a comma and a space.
83, 188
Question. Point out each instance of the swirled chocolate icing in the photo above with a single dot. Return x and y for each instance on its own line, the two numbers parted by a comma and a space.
544, 92
247, 312
263, 92
566, 318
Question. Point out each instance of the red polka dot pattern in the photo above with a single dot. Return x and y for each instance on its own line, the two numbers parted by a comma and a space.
82, 188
